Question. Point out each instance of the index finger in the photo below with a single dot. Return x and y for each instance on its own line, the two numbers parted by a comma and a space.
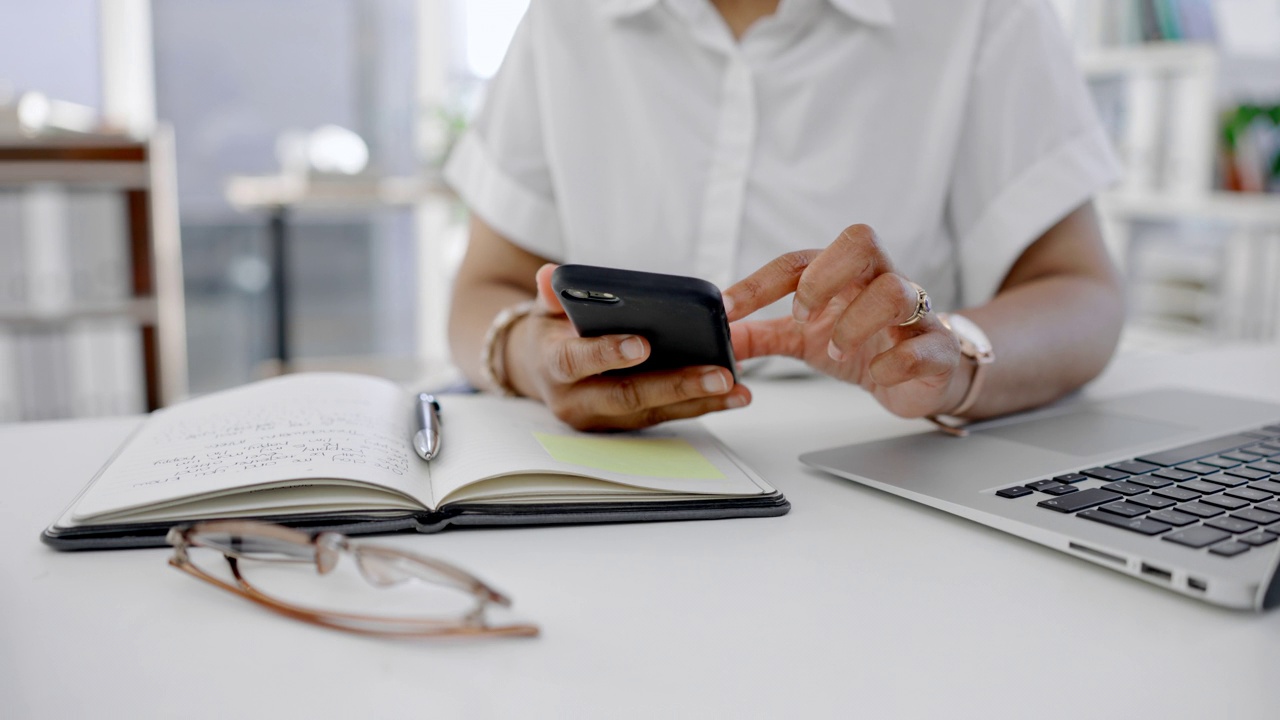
844, 268
777, 279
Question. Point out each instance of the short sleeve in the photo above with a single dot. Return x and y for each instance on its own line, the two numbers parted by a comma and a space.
499, 167
1031, 147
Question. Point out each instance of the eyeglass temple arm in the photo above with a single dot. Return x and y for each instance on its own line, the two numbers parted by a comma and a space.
344, 621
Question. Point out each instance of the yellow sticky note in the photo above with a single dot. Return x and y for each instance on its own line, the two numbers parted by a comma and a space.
651, 457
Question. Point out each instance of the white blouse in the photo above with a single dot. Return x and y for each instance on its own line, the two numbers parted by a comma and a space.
640, 134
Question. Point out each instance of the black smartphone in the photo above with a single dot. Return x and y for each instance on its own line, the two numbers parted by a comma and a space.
682, 317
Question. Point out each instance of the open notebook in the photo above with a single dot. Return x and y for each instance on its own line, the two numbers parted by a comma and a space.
333, 451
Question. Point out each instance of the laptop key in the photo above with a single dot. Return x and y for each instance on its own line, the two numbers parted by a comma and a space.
1262, 537
1060, 489
1176, 493
1195, 451
1267, 486
1124, 509
1254, 515
1267, 466
1155, 502
1229, 549
1199, 468
1016, 491
1225, 480
1269, 506
1126, 488
1196, 537
1149, 481
1080, 501
1071, 478
1173, 517
1225, 502
1105, 473
1200, 510
1261, 450
1240, 457
1042, 484
1138, 525
1219, 462
1175, 474
1247, 473
1231, 525
1201, 487
1133, 467
1248, 494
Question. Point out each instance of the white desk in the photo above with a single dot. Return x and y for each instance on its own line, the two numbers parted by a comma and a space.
855, 604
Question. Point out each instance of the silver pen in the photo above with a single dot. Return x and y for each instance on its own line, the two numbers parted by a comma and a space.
427, 440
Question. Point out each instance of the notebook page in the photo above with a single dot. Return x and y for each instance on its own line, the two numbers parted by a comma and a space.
488, 437
287, 430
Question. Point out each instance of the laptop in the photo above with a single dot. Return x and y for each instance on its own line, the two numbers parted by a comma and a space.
1176, 487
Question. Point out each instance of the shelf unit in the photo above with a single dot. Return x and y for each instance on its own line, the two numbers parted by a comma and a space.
1240, 296
143, 173
1165, 130
1247, 210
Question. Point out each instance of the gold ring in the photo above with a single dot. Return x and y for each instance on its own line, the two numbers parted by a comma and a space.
923, 306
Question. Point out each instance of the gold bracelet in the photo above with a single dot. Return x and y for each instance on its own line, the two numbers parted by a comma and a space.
493, 351
975, 346
970, 396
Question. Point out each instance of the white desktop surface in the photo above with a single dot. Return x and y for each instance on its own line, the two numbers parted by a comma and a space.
856, 604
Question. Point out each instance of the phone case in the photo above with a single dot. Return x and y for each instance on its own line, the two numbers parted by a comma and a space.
682, 317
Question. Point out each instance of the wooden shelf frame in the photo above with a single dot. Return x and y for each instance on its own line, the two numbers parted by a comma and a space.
145, 172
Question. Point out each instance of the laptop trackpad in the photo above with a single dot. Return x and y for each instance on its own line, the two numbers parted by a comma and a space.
1085, 432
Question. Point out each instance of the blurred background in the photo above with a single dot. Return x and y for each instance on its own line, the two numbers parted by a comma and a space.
199, 193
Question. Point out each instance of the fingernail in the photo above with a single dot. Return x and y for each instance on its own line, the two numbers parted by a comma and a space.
713, 382
799, 312
735, 401
632, 348
728, 305
834, 352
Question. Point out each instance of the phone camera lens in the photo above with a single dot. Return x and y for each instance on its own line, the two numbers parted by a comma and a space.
580, 294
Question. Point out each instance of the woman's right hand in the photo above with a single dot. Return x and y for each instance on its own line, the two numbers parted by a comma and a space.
545, 359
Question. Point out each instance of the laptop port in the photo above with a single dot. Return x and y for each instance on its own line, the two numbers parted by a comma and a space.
1197, 584
1092, 552
1155, 572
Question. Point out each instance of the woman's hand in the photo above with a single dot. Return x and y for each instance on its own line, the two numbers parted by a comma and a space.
846, 321
546, 359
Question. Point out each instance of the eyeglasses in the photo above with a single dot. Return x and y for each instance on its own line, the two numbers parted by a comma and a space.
266, 547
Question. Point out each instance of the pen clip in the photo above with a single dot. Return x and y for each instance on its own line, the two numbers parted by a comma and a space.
426, 441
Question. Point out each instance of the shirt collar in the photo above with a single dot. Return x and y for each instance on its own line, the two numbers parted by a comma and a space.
625, 8
872, 12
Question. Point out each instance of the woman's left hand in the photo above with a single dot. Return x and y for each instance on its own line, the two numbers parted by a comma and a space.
847, 321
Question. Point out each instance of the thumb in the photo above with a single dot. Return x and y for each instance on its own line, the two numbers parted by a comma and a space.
548, 301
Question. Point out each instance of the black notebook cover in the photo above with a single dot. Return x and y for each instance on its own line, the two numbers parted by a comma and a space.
143, 535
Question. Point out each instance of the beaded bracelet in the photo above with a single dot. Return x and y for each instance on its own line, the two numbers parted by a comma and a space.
493, 350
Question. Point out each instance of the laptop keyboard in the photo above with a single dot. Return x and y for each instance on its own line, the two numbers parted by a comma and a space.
1220, 495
